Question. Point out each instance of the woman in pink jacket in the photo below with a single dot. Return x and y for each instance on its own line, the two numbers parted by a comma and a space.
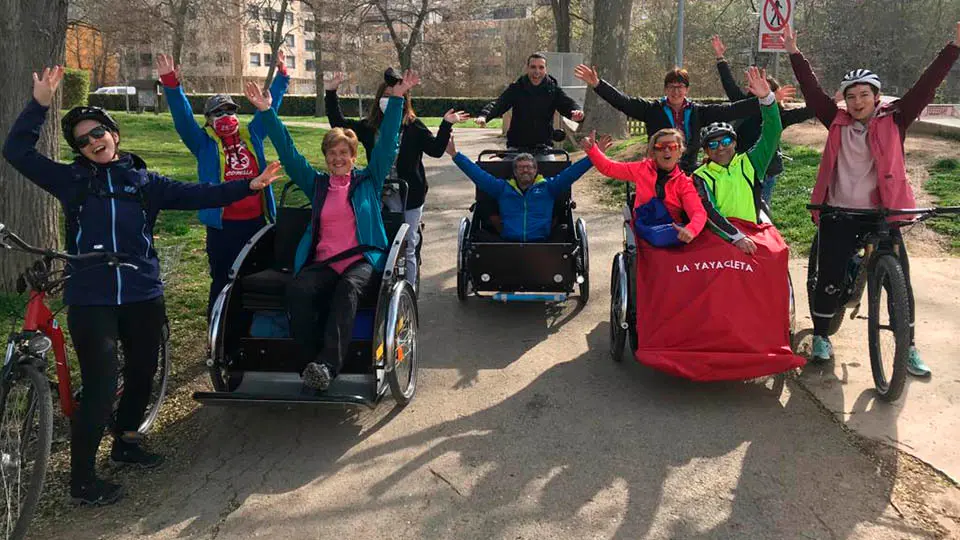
863, 166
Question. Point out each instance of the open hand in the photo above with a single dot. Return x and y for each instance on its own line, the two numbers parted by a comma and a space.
718, 46
683, 234
789, 39
604, 142
785, 93
451, 147
746, 245
271, 173
334, 83
45, 85
757, 82
587, 142
480, 121
281, 58
165, 64
455, 117
410, 79
260, 99
587, 74
576, 116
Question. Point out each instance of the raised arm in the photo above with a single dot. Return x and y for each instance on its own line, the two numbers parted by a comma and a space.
192, 135
385, 149
435, 146
610, 168
20, 148
175, 195
488, 183
730, 87
298, 168
278, 88
823, 105
923, 91
563, 181
497, 107
766, 146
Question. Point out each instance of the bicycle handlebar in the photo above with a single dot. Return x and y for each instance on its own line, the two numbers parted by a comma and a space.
112, 258
886, 212
536, 152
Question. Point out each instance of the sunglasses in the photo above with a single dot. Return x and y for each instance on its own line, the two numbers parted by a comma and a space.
661, 146
724, 142
92, 135
220, 113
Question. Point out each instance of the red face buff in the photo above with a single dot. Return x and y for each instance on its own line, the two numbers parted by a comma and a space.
226, 125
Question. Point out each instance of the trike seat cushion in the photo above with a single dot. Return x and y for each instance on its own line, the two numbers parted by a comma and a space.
266, 291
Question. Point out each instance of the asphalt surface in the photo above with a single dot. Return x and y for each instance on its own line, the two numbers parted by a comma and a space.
522, 428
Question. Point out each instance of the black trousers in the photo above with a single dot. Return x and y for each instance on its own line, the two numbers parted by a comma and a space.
318, 298
95, 331
223, 246
839, 237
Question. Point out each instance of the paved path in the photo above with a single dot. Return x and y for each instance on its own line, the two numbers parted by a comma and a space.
522, 428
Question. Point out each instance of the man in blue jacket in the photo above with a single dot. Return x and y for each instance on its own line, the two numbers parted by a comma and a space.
225, 152
526, 201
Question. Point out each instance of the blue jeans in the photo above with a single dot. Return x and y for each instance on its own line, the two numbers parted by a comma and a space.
766, 192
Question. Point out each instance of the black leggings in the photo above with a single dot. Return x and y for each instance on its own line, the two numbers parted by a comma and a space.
320, 298
95, 331
839, 237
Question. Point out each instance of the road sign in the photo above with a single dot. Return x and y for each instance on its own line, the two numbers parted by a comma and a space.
774, 18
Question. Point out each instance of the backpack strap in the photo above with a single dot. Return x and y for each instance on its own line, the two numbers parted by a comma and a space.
346, 254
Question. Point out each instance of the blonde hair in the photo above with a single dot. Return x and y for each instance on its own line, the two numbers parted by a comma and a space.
667, 132
339, 135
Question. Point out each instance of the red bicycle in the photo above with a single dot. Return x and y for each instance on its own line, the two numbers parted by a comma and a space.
26, 408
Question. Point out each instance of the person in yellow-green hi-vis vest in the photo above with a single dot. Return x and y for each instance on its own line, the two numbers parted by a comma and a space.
729, 183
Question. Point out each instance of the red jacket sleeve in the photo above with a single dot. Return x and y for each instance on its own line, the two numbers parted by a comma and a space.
692, 205
610, 168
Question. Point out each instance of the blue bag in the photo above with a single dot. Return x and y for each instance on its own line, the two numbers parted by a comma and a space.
653, 223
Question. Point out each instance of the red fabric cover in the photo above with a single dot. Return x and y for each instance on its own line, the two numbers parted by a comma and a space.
708, 312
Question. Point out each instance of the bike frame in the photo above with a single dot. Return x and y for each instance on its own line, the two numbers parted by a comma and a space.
39, 318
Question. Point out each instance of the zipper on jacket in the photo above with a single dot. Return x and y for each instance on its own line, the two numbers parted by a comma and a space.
113, 223
524, 217
79, 228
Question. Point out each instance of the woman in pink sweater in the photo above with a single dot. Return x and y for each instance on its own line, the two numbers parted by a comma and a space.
657, 176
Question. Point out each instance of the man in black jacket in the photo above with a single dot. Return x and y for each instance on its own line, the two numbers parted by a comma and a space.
673, 110
534, 98
748, 132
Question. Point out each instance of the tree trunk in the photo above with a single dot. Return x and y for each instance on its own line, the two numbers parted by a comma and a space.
179, 18
318, 108
611, 26
36, 30
561, 22
278, 38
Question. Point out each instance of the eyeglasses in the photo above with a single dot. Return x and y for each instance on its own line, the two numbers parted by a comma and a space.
671, 146
717, 143
92, 135
220, 113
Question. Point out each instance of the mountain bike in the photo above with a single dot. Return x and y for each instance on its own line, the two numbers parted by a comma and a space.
875, 265
26, 408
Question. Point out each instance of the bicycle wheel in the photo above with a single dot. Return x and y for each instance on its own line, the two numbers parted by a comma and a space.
26, 432
158, 388
888, 327
618, 334
404, 324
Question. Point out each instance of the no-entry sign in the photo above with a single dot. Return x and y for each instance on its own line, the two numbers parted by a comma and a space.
774, 17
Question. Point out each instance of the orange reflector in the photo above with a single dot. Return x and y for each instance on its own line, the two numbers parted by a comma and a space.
399, 356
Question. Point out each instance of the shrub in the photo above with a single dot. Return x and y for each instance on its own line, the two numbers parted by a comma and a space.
76, 86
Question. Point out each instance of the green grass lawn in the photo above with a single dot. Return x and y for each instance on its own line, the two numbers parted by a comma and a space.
944, 184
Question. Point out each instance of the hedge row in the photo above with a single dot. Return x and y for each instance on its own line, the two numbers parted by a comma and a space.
76, 87
305, 105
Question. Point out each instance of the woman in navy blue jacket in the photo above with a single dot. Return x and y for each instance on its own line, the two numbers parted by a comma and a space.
111, 202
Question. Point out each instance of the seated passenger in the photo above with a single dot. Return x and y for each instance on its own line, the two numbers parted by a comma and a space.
526, 201
731, 184
658, 180
345, 246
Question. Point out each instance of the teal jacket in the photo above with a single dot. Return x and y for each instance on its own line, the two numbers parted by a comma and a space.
366, 185
204, 144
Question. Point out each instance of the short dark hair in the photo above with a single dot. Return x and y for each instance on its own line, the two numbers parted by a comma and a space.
538, 56
677, 75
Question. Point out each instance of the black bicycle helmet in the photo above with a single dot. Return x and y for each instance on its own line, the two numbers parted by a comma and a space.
78, 114
859, 76
716, 130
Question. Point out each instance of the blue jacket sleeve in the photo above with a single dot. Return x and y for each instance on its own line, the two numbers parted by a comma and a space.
192, 135
562, 182
385, 150
277, 90
488, 183
173, 195
20, 150
294, 164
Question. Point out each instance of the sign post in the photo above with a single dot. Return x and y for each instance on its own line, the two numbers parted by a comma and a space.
775, 15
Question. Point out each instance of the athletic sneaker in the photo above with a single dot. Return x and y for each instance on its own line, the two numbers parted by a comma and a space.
96, 493
317, 376
915, 365
133, 454
822, 349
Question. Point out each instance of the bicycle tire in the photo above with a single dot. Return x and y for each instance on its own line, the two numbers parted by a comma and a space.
406, 326
41, 405
163, 369
618, 335
887, 273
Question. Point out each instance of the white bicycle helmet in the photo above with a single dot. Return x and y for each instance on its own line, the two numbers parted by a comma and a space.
716, 130
859, 76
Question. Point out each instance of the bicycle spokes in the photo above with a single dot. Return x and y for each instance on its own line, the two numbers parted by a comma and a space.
18, 439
